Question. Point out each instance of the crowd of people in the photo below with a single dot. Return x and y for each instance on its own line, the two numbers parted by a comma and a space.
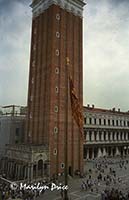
6, 193
104, 176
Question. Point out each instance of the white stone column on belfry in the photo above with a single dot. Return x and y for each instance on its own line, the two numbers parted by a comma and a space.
87, 157
117, 152
111, 152
87, 136
104, 152
92, 136
99, 152
97, 136
111, 136
115, 134
102, 136
119, 136
122, 135
107, 136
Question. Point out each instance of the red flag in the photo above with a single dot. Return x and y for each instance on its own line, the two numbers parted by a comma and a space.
76, 107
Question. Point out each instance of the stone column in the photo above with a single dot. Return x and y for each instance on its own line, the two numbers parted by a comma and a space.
99, 153
111, 152
115, 136
123, 135
97, 136
87, 153
111, 136
102, 136
87, 135
117, 152
107, 136
92, 136
104, 151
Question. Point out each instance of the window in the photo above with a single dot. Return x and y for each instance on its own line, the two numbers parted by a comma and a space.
99, 121
124, 123
90, 120
117, 122
95, 134
62, 165
109, 122
57, 70
55, 129
56, 89
117, 136
128, 123
57, 34
90, 134
113, 135
17, 131
100, 135
84, 120
109, 136
104, 121
124, 136
94, 120
56, 109
104, 136
112, 122
58, 16
121, 135
57, 52
55, 151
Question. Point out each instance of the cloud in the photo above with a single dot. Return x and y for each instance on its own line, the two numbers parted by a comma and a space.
15, 22
106, 47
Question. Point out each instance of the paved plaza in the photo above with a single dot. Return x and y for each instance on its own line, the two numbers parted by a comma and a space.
100, 175
120, 180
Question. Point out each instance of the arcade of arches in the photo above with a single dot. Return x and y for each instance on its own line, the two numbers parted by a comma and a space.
22, 171
104, 151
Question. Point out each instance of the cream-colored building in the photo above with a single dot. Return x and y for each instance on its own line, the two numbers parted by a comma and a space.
106, 133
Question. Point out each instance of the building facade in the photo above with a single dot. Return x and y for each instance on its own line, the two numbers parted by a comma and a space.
51, 133
106, 133
12, 127
56, 35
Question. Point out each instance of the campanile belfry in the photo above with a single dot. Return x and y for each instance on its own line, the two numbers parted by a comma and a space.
56, 34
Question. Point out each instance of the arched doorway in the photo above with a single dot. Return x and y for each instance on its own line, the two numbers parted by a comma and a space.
40, 168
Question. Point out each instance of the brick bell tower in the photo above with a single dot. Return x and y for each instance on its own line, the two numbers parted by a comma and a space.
56, 34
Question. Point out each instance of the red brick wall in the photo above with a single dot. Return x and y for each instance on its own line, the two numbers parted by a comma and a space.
44, 118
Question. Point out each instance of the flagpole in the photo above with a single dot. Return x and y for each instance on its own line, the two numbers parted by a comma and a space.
66, 134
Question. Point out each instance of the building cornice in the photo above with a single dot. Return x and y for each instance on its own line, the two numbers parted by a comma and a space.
73, 6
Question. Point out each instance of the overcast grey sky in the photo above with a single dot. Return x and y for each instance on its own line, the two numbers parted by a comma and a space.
106, 49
